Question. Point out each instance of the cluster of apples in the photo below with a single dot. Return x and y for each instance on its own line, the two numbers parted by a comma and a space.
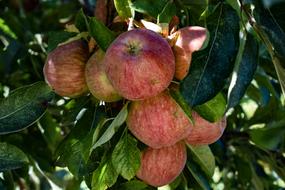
139, 66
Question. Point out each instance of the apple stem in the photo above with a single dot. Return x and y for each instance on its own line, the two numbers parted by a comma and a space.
131, 24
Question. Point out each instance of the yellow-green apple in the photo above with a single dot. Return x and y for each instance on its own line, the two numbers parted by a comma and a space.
65, 67
140, 64
205, 132
189, 39
97, 80
158, 121
161, 166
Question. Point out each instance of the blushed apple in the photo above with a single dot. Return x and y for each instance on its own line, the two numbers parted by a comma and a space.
97, 80
161, 166
140, 64
158, 121
64, 69
205, 132
189, 39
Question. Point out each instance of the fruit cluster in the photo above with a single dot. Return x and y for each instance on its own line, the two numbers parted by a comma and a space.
139, 66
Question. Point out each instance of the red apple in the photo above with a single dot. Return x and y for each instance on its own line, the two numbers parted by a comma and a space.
161, 166
97, 80
189, 39
140, 64
158, 121
65, 67
205, 132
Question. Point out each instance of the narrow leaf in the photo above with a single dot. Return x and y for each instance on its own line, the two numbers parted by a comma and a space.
211, 67
214, 109
73, 152
23, 107
81, 22
204, 157
123, 8
244, 72
133, 185
198, 175
167, 13
113, 128
56, 38
11, 157
149, 7
126, 157
104, 176
103, 35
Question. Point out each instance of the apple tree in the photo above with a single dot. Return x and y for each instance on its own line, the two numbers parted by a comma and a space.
141, 94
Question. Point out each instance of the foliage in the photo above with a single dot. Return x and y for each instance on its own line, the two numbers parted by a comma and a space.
49, 142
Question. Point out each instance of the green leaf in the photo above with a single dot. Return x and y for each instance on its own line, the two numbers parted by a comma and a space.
175, 94
103, 35
270, 136
55, 38
133, 185
204, 157
123, 8
243, 72
167, 13
211, 67
198, 175
81, 22
149, 7
214, 109
24, 106
74, 150
51, 130
11, 157
104, 176
126, 157
113, 128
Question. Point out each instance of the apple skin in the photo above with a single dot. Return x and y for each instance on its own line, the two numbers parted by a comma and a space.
189, 39
158, 121
205, 132
64, 69
140, 64
161, 166
97, 80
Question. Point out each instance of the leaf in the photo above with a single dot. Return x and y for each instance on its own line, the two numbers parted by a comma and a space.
24, 106
11, 157
104, 176
113, 128
175, 94
126, 157
133, 185
74, 150
211, 67
167, 13
149, 7
214, 109
274, 38
81, 22
103, 35
56, 38
204, 157
243, 72
198, 175
270, 136
123, 8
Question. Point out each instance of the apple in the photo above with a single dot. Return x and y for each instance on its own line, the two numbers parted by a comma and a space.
205, 132
64, 69
97, 80
158, 121
140, 64
161, 166
189, 39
